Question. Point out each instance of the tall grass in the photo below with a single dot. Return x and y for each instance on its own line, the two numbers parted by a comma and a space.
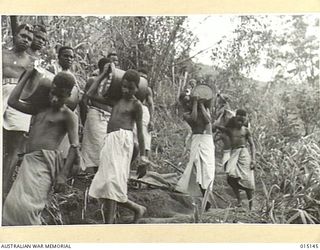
290, 177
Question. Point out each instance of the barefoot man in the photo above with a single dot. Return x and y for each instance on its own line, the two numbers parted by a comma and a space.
42, 166
15, 123
199, 174
110, 182
95, 125
240, 166
146, 98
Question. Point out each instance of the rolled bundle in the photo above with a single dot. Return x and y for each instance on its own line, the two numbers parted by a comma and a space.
111, 88
36, 90
204, 92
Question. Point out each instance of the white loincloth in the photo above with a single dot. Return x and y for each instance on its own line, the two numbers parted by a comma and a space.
30, 191
201, 166
238, 166
12, 118
145, 131
94, 133
110, 182
225, 157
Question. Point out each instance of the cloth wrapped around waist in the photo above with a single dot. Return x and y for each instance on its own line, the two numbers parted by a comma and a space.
201, 166
94, 133
110, 182
30, 191
145, 123
238, 167
12, 118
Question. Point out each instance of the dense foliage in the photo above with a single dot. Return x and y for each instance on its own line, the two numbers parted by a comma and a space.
284, 112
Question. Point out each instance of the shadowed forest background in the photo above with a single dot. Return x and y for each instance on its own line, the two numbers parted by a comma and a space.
284, 112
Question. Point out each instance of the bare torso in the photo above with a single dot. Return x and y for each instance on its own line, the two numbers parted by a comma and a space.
238, 137
200, 126
14, 64
47, 130
123, 115
226, 141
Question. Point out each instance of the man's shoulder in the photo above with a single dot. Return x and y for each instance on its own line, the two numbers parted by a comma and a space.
90, 81
7, 53
67, 111
136, 102
149, 91
246, 130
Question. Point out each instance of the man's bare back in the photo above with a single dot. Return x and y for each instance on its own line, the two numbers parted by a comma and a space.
199, 126
199, 119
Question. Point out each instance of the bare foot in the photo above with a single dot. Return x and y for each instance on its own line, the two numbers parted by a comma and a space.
238, 204
139, 213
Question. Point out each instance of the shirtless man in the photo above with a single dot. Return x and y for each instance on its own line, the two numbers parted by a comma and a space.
113, 57
42, 165
147, 118
223, 113
15, 123
65, 61
110, 182
200, 171
38, 42
240, 166
95, 122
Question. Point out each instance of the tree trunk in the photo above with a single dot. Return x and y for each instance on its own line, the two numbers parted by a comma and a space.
14, 24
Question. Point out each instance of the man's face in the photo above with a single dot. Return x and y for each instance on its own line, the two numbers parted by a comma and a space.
241, 119
58, 96
114, 59
128, 88
23, 39
66, 58
39, 40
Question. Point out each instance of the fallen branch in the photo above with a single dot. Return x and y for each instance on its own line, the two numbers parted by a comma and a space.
218, 195
172, 165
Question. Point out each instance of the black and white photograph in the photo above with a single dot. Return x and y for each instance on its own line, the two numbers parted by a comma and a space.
153, 119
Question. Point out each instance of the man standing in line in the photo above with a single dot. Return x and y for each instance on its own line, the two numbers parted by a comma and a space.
15, 123
65, 61
199, 174
38, 42
95, 125
146, 98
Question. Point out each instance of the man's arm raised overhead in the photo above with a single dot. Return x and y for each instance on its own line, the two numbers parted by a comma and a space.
14, 99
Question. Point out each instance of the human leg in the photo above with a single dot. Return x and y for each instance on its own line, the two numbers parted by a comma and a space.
208, 204
136, 208
109, 210
13, 143
235, 187
30, 191
249, 193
